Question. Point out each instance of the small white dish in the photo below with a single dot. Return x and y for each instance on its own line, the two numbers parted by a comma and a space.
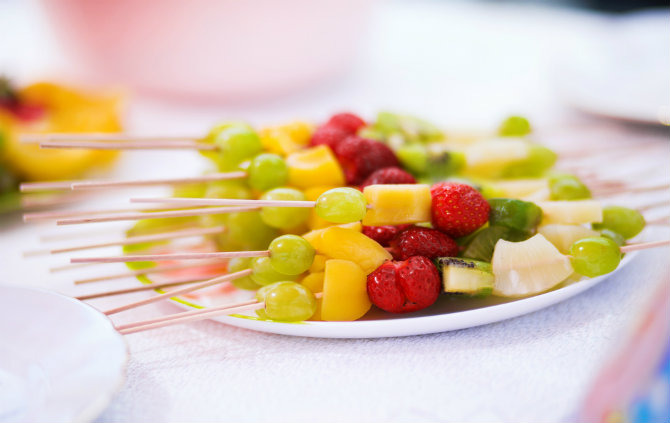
60, 359
445, 315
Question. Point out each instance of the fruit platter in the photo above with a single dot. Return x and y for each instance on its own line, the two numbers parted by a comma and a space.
355, 228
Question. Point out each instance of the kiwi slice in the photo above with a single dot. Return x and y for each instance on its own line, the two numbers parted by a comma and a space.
465, 276
480, 246
515, 214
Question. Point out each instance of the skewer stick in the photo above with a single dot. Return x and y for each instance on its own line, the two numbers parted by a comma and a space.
31, 217
176, 256
630, 190
148, 287
130, 145
644, 246
134, 240
659, 221
45, 186
98, 136
654, 205
214, 281
224, 202
115, 217
147, 271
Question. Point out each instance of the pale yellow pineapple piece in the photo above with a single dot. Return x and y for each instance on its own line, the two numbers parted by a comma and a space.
348, 244
522, 188
571, 212
488, 158
397, 204
563, 236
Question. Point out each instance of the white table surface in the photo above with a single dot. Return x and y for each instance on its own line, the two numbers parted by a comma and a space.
461, 65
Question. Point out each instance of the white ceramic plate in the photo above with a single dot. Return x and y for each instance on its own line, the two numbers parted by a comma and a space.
60, 359
445, 315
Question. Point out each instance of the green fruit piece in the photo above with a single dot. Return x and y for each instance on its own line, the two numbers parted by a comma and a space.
481, 246
245, 231
213, 135
284, 217
267, 171
287, 301
234, 189
595, 256
245, 282
515, 214
411, 128
413, 158
614, 236
464, 276
622, 220
265, 274
420, 162
291, 254
189, 190
567, 187
341, 205
237, 144
539, 160
514, 126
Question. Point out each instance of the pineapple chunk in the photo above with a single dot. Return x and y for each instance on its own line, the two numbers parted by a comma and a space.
314, 236
527, 267
397, 204
489, 158
345, 295
348, 244
571, 212
521, 188
313, 167
563, 236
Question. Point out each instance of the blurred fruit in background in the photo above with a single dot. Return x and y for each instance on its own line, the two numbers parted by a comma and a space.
226, 49
49, 107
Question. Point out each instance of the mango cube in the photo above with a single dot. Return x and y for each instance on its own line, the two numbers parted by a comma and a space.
312, 194
345, 295
318, 264
397, 204
347, 244
314, 236
286, 139
313, 167
314, 282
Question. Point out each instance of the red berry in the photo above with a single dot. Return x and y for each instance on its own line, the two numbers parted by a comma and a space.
383, 234
427, 242
458, 209
404, 286
348, 122
359, 157
388, 175
329, 135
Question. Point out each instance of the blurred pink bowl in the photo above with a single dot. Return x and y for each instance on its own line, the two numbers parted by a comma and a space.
232, 49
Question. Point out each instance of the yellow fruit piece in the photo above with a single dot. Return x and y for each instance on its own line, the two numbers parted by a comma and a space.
312, 194
299, 131
397, 204
348, 244
563, 236
318, 264
314, 282
67, 110
345, 295
571, 212
314, 167
489, 158
286, 139
521, 188
314, 237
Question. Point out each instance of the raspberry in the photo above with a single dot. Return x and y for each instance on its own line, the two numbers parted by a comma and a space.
458, 209
348, 122
417, 241
404, 286
329, 135
388, 175
359, 157
383, 234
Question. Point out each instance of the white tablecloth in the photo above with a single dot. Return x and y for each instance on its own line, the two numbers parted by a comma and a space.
461, 65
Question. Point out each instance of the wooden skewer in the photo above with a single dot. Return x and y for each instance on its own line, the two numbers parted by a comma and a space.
630, 190
134, 240
99, 136
224, 202
176, 256
214, 281
654, 205
130, 145
644, 246
115, 217
93, 184
148, 287
34, 201
147, 271
35, 216
659, 221
67, 267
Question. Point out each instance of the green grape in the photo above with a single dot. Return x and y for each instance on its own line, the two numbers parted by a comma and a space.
287, 301
539, 160
228, 189
341, 205
291, 254
622, 220
213, 135
411, 128
239, 264
519, 215
284, 217
514, 126
245, 231
267, 171
236, 144
567, 187
614, 236
265, 274
594, 256
189, 190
